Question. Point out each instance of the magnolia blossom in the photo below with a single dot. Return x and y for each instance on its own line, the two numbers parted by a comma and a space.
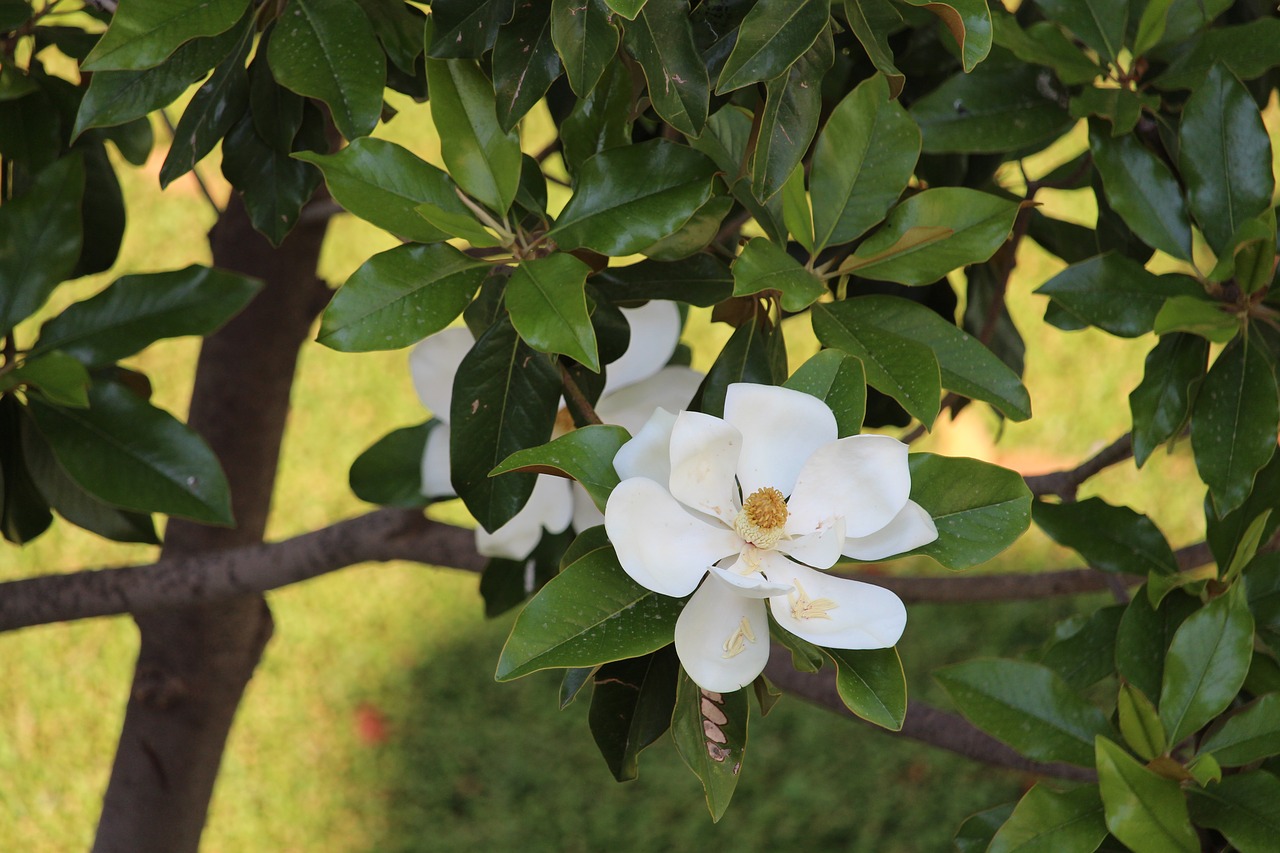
757, 503
635, 384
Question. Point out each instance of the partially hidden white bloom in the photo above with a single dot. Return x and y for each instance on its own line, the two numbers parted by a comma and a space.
756, 503
636, 384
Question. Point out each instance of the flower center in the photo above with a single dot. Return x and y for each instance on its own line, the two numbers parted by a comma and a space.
763, 516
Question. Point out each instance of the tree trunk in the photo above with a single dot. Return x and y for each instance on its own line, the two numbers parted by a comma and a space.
194, 662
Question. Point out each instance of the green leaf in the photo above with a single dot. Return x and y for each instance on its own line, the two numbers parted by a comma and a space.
772, 36
274, 187
728, 141
1145, 811
1161, 404
1110, 538
389, 472
1225, 533
975, 834
631, 708
932, 233
627, 8
40, 239
277, 112
1143, 191
1048, 821
586, 40
126, 452
144, 33
1249, 50
1242, 808
548, 305
599, 120
1115, 293
56, 376
1140, 723
400, 29
510, 403
968, 21
327, 49
1199, 315
525, 63
980, 509
1145, 633
1121, 107
793, 104
1250, 257
862, 162
590, 613
1251, 734
1224, 155
872, 685
383, 183
1098, 23
400, 296
1086, 655
1151, 26
1026, 706
837, 379
752, 354
1234, 422
24, 511
585, 454
765, 266
573, 682
463, 224
898, 366
465, 29
137, 310
696, 234
630, 197
872, 21
1044, 43
710, 731
661, 40
700, 280
1206, 664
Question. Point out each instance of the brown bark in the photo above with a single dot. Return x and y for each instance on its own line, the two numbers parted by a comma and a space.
194, 662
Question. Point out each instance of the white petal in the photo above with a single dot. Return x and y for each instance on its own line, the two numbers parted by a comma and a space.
585, 513
655, 331
835, 612
648, 453
670, 388
818, 548
704, 456
863, 478
780, 429
749, 581
433, 364
435, 464
550, 506
660, 545
910, 528
722, 638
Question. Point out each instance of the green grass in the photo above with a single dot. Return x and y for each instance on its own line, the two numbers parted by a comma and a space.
463, 763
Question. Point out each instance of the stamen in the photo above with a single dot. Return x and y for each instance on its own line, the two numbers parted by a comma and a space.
736, 644
804, 607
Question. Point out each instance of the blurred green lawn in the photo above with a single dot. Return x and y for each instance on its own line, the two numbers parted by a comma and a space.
374, 723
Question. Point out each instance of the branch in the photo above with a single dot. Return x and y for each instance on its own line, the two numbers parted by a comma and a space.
923, 723
1064, 483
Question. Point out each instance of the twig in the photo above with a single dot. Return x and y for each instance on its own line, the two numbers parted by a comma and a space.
1065, 483
582, 407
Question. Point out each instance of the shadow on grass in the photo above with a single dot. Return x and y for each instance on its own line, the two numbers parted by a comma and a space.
473, 764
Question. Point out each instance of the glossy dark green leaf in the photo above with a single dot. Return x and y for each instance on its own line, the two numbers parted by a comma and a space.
400, 29
1224, 156
1145, 633
628, 9
1044, 43
585, 454
400, 296
1249, 50
772, 36
1110, 538
1121, 107
872, 21
661, 40
1161, 404
1234, 423
1048, 821
274, 186
590, 613
1140, 723
102, 212
575, 678
932, 233
327, 49
548, 305
126, 452
631, 708
30, 129
1143, 191
1098, 23
628, 198
861, 163
1027, 706
764, 266
987, 317
1242, 808
752, 354
138, 310
1250, 254
696, 234
793, 103
710, 732
905, 369
462, 224
277, 112
1247, 736
872, 685
55, 376
980, 509
1200, 315
699, 280
837, 379
727, 141
40, 239
466, 29
144, 33
389, 472
1224, 533
1206, 664
599, 120
510, 403
1085, 655
505, 584
1145, 811
24, 512
586, 40
975, 834
968, 21
525, 63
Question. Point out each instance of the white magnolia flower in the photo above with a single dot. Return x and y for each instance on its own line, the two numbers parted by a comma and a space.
635, 384
757, 503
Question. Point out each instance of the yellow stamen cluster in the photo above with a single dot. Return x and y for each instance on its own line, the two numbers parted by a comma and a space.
737, 642
804, 607
763, 516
